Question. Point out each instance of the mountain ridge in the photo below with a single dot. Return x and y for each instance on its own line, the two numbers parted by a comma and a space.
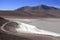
45, 7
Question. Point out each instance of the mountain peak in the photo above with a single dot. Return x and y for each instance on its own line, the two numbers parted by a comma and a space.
48, 7
44, 7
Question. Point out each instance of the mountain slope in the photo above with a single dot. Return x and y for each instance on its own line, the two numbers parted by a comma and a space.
42, 9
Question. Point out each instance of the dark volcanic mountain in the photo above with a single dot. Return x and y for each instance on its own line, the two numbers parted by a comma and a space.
34, 11
37, 8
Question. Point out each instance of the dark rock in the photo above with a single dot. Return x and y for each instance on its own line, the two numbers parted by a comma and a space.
2, 21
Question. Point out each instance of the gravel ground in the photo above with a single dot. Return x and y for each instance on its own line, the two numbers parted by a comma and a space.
4, 36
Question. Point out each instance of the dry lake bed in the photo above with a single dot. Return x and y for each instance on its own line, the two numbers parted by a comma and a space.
48, 24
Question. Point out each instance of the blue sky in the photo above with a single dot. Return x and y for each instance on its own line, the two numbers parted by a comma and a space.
14, 4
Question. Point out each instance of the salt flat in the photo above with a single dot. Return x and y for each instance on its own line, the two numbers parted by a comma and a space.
49, 24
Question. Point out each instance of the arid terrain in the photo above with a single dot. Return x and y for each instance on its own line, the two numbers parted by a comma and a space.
42, 17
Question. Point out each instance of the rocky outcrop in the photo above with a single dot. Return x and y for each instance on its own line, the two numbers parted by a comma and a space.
2, 21
8, 25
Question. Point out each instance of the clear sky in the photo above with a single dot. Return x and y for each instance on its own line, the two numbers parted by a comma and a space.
14, 4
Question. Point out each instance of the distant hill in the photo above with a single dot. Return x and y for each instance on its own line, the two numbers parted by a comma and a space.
34, 11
